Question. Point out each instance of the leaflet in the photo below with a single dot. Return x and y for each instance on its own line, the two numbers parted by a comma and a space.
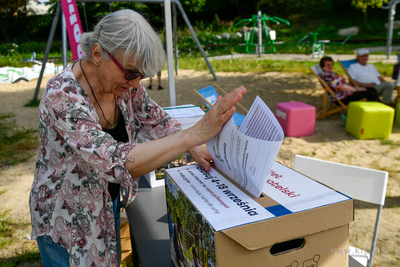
246, 155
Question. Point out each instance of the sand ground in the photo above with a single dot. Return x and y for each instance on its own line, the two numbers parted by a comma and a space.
329, 142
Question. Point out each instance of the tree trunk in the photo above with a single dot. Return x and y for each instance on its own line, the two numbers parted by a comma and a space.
365, 19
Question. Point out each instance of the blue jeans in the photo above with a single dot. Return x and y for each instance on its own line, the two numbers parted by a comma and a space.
53, 254
117, 220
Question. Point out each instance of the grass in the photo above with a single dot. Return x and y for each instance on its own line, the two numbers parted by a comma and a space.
391, 143
33, 103
16, 143
197, 63
14, 248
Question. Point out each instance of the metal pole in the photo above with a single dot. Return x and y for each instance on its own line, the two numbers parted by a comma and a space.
375, 237
175, 29
64, 41
170, 62
259, 33
185, 18
392, 11
47, 51
390, 30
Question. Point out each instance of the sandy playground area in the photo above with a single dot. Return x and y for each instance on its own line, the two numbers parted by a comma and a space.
329, 142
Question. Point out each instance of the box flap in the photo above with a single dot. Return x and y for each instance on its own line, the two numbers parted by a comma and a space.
296, 225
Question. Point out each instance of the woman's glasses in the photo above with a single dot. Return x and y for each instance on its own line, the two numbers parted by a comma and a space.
129, 75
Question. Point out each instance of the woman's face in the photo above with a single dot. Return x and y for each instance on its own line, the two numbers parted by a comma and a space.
115, 76
328, 66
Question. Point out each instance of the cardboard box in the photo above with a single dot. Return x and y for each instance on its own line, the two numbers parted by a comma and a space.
306, 230
187, 115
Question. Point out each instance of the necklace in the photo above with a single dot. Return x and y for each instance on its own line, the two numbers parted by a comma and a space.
115, 111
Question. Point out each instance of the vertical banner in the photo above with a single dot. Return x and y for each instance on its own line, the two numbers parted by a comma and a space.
74, 27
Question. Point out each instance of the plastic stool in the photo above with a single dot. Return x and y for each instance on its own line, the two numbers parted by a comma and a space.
296, 118
369, 120
397, 113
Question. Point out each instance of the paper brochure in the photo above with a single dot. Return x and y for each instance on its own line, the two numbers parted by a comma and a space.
222, 203
246, 155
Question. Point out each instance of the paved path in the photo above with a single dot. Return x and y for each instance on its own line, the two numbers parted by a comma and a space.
303, 57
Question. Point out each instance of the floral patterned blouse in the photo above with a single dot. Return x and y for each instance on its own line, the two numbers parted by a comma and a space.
334, 81
69, 198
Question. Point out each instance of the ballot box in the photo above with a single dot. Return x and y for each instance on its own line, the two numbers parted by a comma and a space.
296, 221
187, 115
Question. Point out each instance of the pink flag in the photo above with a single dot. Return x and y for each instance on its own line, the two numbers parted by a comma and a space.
74, 27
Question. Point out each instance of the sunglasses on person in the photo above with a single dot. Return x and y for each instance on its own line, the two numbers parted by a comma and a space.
129, 75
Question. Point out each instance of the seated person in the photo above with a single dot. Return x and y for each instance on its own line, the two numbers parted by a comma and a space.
367, 75
343, 91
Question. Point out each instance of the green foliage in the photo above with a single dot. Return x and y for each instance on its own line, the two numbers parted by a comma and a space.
193, 5
16, 144
364, 4
295, 6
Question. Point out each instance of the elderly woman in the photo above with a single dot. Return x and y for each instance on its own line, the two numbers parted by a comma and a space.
343, 91
89, 118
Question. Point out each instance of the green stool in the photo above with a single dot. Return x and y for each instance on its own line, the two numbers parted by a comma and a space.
369, 120
397, 113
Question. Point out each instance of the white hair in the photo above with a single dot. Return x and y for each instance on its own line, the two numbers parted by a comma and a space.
127, 31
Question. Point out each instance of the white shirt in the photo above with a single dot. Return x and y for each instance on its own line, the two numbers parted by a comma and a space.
364, 74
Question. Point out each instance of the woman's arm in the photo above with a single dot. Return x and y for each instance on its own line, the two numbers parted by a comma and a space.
349, 88
150, 155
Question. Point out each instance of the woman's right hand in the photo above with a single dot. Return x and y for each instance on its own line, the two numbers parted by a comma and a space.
212, 122
148, 156
358, 88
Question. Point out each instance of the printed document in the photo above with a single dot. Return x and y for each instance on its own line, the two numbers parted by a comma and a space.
246, 155
222, 203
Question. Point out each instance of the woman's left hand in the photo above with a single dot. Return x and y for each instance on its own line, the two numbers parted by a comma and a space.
202, 156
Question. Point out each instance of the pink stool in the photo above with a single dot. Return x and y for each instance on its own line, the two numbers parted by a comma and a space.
296, 118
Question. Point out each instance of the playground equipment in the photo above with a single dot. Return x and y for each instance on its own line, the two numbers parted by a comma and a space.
270, 35
170, 19
318, 47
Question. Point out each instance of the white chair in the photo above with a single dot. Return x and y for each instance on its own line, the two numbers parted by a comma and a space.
358, 183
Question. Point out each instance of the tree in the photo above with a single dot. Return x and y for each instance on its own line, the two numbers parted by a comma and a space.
193, 5
11, 9
364, 4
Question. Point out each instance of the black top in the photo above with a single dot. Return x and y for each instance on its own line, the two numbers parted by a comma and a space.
118, 133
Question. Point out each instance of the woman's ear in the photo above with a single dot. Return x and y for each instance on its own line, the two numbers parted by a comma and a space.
96, 54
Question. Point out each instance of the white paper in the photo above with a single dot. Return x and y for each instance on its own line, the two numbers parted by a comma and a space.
247, 155
184, 111
261, 123
218, 200
296, 192
187, 115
